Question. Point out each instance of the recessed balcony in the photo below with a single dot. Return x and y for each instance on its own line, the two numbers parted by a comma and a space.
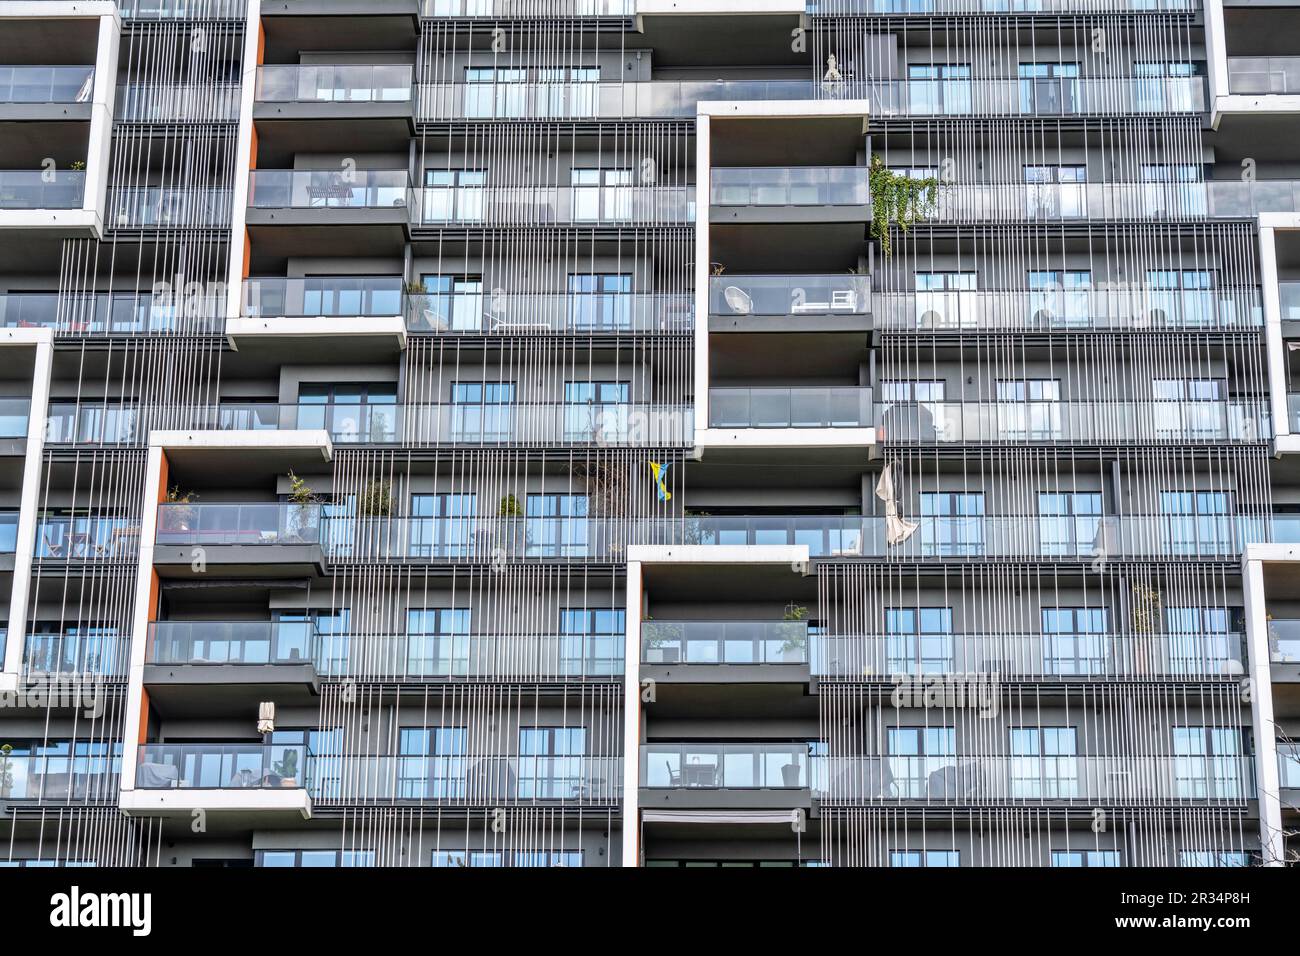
41, 189
1284, 649
331, 92
506, 9
8, 539
72, 655
748, 652
172, 207
232, 664
178, 778
268, 539
80, 539
46, 92
462, 207
15, 414
111, 313
329, 196
820, 194
812, 417
453, 658
702, 774
790, 303
304, 318
573, 313
214, 102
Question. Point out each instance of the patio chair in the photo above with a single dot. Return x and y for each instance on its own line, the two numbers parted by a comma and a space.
738, 300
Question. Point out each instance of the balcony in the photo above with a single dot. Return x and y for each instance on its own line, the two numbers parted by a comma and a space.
1264, 74
782, 408
177, 103
46, 92
1070, 202
304, 312
176, 779
1288, 766
742, 775
1079, 423
1036, 657
323, 92
182, 9
1284, 649
328, 197
474, 207
8, 539
506, 9
83, 772
90, 656
175, 207
41, 189
111, 313
714, 652
15, 413
473, 657
81, 538
264, 538
790, 303
1288, 294
574, 313
789, 195
927, 7
1091, 310
473, 780
983, 96
248, 659
1055, 781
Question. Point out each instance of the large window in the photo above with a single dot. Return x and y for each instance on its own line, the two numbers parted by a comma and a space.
601, 195
1086, 858
432, 763
1055, 191
1207, 763
1029, 409
363, 412
437, 642
1197, 522
922, 761
1182, 297
1164, 86
947, 300
919, 640
558, 526
596, 411
454, 195
1069, 523
924, 858
482, 411
1061, 298
335, 629
952, 524
1044, 763
443, 525
939, 89
1189, 409
1049, 88
552, 762
1201, 641
600, 301
1075, 640
450, 303
315, 858
54, 648
592, 640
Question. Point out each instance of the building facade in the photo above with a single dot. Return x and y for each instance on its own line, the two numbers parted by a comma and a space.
649, 432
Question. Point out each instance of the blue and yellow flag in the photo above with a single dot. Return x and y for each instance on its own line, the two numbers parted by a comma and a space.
660, 473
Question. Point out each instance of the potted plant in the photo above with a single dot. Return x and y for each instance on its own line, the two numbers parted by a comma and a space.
376, 501
897, 199
77, 165
180, 517
6, 770
303, 501
287, 768
794, 628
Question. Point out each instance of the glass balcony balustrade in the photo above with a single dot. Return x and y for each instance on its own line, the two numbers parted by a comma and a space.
1069, 310
329, 189
88, 653
724, 642
529, 314
1078, 422
334, 83
233, 642
846, 407
789, 186
42, 189
470, 779
956, 780
61, 771
718, 766
246, 524
542, 205
111, 313
217, 766
883, 656
73, 537
789, 295
46, 84
1264, 74
323, 296
1284, 640
473, 656
15, 413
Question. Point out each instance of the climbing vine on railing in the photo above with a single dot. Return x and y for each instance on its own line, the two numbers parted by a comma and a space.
897, 199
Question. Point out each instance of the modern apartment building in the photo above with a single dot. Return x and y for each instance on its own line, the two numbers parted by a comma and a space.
649, 432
